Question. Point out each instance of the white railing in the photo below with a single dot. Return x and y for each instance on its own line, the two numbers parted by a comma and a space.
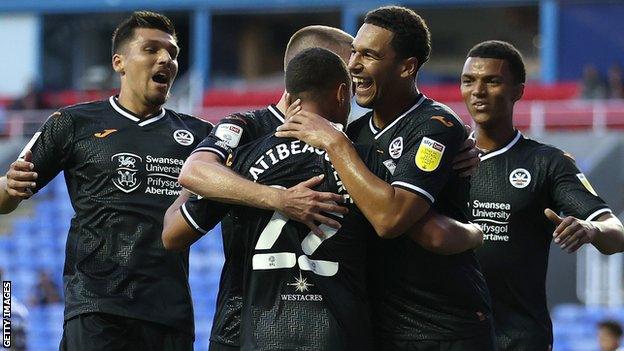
599, 278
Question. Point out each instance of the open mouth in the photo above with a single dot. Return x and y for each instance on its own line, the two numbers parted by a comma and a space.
362, 84
160, 78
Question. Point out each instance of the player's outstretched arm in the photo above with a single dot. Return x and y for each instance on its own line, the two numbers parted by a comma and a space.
605, 233
390, 210
177, 234
16, 185
445, 236
205, 175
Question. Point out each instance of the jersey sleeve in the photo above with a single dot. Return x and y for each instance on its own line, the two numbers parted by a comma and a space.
203, 214
571, 191
227, 135
427, 160
51, 147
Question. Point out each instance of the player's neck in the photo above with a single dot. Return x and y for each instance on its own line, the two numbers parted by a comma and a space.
281, 104
393, 107
141, 110
492, 138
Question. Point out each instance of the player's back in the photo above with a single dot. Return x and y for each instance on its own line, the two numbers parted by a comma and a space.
301, 292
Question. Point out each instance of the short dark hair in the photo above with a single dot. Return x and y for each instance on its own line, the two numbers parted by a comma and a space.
140, 19
411, 34
330, 38
612, 326
315, 71
502, 50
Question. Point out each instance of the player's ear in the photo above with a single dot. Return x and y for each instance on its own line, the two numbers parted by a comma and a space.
118, 63
343, 93
409, 67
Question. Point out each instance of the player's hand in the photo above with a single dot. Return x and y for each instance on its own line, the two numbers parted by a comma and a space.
571, 233
293, 108
20, 178
467, 160
311, 128
306, 206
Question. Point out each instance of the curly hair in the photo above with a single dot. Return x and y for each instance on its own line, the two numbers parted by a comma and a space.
411, 34
502, 50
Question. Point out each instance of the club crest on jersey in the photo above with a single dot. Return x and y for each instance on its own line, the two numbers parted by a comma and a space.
183, 137
429, 154
586, 183
520, 178
127, 168
396, 148
230, 133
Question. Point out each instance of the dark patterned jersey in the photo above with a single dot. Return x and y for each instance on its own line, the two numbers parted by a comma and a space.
228, 134
301, 292
121, 173
417, 294
241, 129
510, 191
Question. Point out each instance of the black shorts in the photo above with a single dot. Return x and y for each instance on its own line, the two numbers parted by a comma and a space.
217, 346
480, 343
107, 332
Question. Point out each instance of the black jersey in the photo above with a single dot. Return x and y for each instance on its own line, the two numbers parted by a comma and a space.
228, 134
301, 292
417, 294
510, 191
121, 174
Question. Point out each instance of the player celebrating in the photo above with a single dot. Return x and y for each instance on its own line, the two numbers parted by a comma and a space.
421, 300
205, 174
121, 158
325, 308
519, 181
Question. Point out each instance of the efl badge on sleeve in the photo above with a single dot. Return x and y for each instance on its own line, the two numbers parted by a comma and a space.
586, 183
429, 154
230, 133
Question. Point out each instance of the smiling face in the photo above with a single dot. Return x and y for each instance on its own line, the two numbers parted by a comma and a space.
489, 90
148, 65
373, 65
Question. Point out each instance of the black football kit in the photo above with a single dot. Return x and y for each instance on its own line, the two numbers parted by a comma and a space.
231, 132
419, 296
510, 191
301, 292
121, 173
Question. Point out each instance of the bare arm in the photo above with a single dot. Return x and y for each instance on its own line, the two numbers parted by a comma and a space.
16, 184
177, 235
605, 233
445, 236
204, 174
